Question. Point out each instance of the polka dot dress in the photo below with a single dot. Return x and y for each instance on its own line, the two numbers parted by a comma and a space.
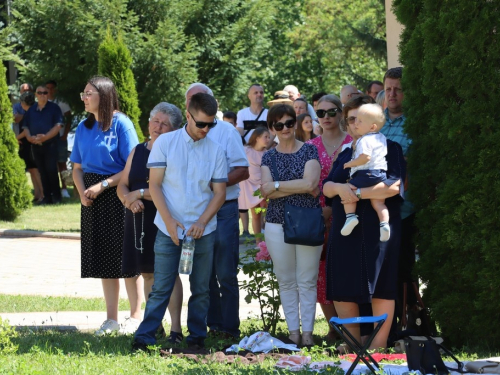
102, 233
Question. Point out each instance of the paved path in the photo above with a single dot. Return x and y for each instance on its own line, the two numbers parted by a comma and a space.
51, 267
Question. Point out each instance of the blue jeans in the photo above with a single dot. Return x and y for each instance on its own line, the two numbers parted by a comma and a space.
167, 256
224, 312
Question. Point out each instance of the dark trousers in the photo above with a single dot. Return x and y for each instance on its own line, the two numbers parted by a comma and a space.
46, 161
405, 271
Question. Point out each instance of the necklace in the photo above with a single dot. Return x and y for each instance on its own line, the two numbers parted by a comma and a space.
142, 234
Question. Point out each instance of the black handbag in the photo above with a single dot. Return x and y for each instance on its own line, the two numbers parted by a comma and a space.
416, 319
303, 226
424, 356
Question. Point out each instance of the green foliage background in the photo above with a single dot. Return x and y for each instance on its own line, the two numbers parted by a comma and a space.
227, 44
114, 62
451, 83
15, 195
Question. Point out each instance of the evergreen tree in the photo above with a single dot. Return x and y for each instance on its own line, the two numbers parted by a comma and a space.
114, 63
451, 54
14, 191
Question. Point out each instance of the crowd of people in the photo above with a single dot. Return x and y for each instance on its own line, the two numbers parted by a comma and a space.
342, 156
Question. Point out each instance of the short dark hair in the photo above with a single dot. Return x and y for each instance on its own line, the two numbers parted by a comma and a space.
301, 100
318, 96
354, 103
254, 84
203, 102
394, 73
371, 83
51, 82
229, 114
277, 111
28, 98
108, 102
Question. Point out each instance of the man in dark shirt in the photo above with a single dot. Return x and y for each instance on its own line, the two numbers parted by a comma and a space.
42, 122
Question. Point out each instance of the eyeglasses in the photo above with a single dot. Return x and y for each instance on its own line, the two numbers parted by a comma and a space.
84, 95
332, 112
288, 123
202, 125
351, 119
42, 92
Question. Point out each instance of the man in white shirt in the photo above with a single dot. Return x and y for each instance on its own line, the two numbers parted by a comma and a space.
256, 112
188, 175
223, 316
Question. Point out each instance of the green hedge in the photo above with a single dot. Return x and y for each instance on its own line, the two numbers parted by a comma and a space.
451, 79
114, 62
15, 194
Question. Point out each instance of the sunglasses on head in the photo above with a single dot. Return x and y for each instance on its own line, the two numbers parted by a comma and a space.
288, 123
42, 92
202, 125
330, 112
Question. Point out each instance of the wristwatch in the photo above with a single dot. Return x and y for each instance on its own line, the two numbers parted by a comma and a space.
277, 185
142, 193
105, 184
358, 193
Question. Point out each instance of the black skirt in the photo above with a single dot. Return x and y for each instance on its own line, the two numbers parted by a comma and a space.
102, 233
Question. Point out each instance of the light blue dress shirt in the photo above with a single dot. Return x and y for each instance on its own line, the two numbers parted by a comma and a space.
226, 136
190, 167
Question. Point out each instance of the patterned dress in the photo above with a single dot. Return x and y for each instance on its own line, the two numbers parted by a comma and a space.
326, 164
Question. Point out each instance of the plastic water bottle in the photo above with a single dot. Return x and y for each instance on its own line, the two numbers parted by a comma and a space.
187, 254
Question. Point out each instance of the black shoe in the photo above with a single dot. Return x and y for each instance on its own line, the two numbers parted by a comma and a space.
196, 344
175, 338
139, 346
45, 201
56, 200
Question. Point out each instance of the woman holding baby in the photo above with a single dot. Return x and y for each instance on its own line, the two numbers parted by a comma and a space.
362, 261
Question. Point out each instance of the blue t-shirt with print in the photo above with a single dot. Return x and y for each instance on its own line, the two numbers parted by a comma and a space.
104, 152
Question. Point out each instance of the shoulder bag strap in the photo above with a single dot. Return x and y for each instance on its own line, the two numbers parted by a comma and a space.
460, 365
248, 131
275, 168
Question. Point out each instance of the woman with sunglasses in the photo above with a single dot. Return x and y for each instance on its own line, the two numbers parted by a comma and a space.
329, 144
295, 182
103, 142
360, 268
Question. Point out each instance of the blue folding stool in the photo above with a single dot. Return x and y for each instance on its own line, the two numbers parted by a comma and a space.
361, 351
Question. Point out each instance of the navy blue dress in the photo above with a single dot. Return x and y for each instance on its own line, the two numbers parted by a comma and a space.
138, 178
359, 267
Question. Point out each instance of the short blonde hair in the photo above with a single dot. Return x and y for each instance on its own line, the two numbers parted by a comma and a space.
375, 113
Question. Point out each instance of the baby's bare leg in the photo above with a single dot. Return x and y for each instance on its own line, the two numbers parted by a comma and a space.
381, 209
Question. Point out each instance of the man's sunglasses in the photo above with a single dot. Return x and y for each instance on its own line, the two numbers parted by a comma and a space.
330, 112
202, 125
288, 123
42, 92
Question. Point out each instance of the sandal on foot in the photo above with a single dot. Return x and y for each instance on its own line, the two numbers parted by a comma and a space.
175, 337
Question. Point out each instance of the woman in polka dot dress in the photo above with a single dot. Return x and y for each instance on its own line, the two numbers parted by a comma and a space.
103, 142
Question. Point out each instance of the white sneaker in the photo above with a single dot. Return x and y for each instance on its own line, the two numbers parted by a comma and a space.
129, 326
350, 224
108, 327
385, 232
65, 193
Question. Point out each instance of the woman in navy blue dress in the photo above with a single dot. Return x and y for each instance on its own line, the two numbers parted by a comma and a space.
360, 268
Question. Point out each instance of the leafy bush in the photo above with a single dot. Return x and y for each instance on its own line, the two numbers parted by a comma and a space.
451, 54
15, 195
114, 62
6, 333
262, 285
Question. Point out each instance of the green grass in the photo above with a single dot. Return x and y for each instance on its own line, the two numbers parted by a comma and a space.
63, 217
25, 303
54, 352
